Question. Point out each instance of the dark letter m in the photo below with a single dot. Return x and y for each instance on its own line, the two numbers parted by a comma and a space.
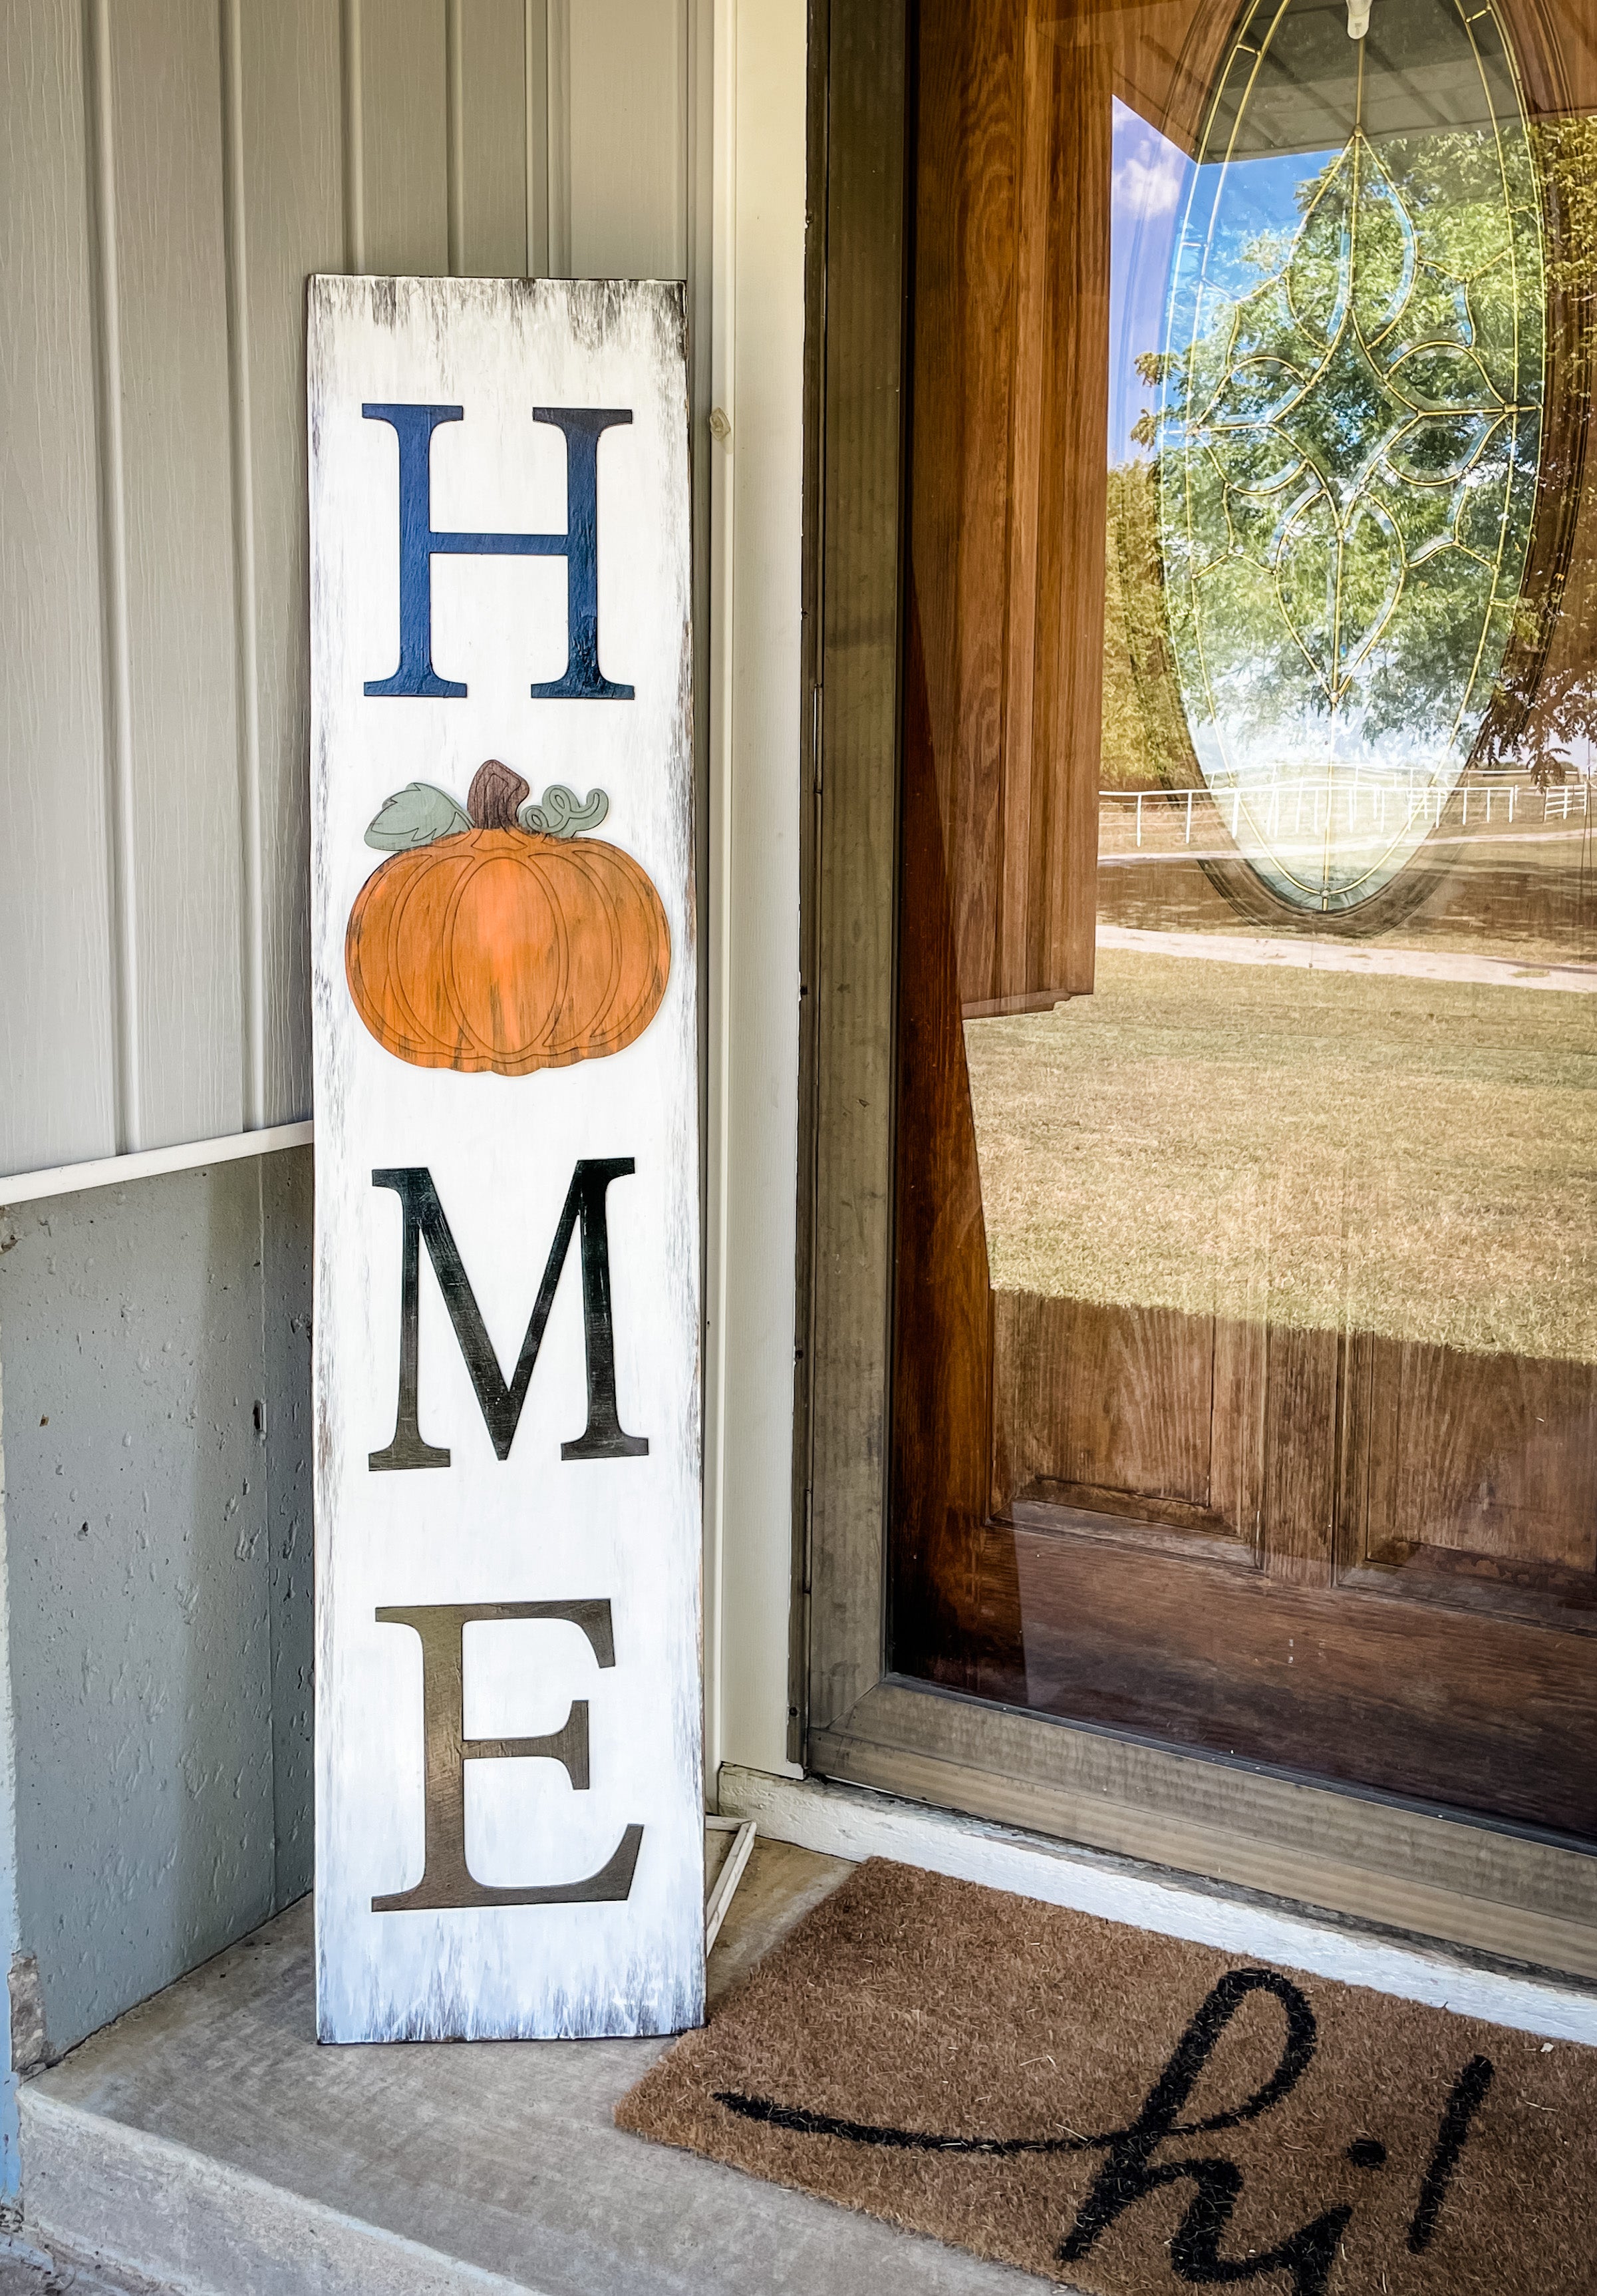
501, 1406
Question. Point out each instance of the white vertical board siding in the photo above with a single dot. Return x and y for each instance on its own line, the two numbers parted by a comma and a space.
57, 1042
182, 733
627, 138
404, 97
285, 115
488, 153
502, 1151
175, 168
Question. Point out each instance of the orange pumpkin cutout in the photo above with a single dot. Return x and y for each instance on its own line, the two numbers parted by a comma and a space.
496, 946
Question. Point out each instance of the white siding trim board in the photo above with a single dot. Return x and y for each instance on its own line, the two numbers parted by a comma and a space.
115, 1171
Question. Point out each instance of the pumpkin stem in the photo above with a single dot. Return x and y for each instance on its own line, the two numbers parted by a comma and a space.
494, 793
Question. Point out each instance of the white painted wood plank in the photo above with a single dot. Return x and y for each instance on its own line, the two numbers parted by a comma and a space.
183, 728
627, 138
56, 1052
293, 224
534, 1526
740, 1848
405, 135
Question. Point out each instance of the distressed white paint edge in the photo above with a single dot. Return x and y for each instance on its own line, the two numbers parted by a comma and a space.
149, 1163
756, 582
852, 1822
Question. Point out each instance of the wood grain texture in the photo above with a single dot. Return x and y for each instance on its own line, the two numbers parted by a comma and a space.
1394, 1454
1480, 1468
1109, 1399
1220, 1442
582, 1562
963, 331
1010, 334
1471, 1712
1051, 783
941, 1607
1407, 1868
856, 849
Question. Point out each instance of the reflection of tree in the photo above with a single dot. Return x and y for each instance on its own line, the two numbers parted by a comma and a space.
1544, 716
1347, 447
1145, 740
1544, 709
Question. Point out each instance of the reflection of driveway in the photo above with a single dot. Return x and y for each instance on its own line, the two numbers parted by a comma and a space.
1349, 956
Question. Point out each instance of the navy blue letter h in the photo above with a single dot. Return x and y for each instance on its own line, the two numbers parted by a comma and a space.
420, 545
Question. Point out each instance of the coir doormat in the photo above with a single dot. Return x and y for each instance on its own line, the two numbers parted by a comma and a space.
1128, 2114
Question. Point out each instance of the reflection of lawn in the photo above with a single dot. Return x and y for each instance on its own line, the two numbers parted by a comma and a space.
1414, 1157
1528, 894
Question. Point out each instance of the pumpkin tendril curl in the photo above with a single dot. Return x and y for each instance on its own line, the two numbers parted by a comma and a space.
562, 813
498, 799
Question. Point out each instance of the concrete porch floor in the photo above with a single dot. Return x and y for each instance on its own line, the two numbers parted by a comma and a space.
206, 2143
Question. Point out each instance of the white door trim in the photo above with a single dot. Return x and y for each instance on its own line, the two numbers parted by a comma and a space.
852, 1822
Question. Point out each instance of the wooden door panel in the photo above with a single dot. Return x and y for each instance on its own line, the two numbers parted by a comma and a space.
1489, 1455
1097, 1405
1259, 1507
1481, 1713
1297, 1513
1472, 1480
1011, 377
1410, 1469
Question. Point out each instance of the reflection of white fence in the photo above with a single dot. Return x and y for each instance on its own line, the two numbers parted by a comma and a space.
1292, 807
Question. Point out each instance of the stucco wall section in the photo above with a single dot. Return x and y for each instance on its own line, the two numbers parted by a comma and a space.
155, 1343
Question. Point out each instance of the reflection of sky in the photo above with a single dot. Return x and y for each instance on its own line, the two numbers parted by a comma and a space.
1153, 183
1241, 223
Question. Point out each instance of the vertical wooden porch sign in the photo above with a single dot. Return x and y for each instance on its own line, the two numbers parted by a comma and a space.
509, 1799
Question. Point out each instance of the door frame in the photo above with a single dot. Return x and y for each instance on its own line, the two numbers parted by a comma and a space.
1417, 1870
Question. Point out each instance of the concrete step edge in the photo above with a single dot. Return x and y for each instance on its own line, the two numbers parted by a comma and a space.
159, 2213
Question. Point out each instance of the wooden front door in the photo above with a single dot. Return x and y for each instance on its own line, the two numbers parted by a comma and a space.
1244, 1360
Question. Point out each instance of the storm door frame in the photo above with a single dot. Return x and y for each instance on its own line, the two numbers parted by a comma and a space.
1404, 1867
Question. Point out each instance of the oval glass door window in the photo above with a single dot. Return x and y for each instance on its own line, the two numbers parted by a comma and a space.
1350, 418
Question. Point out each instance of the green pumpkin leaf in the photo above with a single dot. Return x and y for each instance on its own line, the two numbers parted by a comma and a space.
561, 813
415, 815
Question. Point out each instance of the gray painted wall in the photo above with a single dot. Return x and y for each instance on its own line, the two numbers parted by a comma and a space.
154, 1415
